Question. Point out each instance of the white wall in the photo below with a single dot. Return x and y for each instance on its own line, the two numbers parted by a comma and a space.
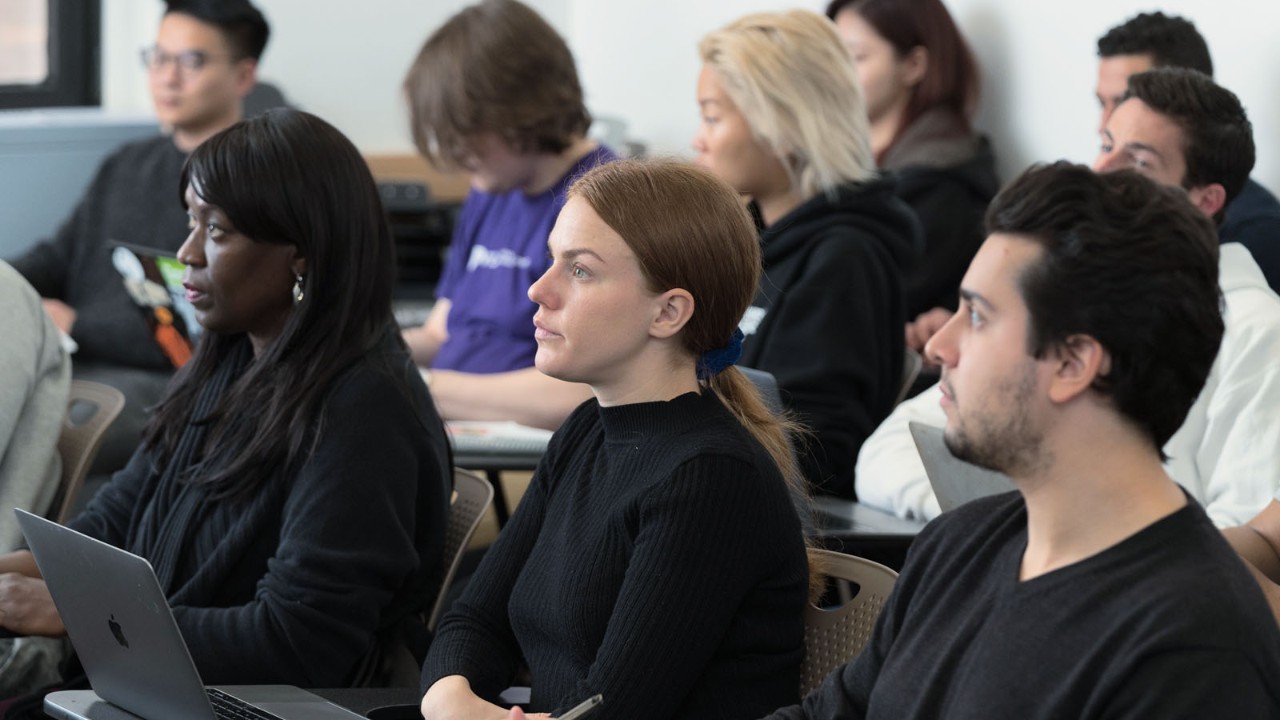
345, 60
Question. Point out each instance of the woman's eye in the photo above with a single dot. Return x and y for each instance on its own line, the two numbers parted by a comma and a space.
213, 230
578, 272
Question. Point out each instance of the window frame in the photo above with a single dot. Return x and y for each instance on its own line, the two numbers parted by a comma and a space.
75, 68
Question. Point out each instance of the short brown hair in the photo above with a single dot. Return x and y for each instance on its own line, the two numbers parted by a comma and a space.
495, 67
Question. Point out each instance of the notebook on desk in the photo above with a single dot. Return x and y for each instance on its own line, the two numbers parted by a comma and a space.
497, 438
127, 639
955, 482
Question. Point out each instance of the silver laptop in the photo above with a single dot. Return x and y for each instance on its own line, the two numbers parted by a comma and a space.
129, 644
955, 482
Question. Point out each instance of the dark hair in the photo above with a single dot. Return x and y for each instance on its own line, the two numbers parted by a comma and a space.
1168, 39
285, 177
951, 80
242, 25
495, 67
1217, 134
1132, 264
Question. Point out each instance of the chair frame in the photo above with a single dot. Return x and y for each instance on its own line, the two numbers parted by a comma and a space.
391, 662
78, 444
832, 637
472, 496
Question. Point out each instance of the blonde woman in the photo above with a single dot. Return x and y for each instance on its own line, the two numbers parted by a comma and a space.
783, 122
656, 558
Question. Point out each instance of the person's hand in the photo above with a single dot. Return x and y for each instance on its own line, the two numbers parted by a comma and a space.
62, 314
450, 698
26, 607
518, 714
923, 327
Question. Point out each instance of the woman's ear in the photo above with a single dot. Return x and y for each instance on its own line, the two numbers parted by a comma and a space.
674, 308
914, 65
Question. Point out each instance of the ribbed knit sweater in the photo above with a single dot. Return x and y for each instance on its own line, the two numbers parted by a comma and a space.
655, 559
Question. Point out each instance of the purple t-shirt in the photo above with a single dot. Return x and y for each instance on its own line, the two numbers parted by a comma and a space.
499, 249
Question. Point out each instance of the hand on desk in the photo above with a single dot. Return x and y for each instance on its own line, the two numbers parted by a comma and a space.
451, 698
26, 607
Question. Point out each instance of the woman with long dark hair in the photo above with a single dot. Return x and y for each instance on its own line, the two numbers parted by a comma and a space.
292, 488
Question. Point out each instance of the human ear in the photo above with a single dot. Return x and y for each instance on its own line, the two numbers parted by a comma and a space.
1209, 198
299, 263
246, 71
1078, 362
914, 65
673, 310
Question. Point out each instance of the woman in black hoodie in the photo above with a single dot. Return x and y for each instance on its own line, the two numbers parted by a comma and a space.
783, 121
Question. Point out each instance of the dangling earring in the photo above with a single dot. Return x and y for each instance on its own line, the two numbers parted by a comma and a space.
297, 289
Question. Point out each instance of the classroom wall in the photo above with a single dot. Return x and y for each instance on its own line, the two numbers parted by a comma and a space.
638, 61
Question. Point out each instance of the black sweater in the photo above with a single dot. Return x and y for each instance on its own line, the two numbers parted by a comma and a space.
133, 199
290, 585
828, 319
655, 559
1165, 624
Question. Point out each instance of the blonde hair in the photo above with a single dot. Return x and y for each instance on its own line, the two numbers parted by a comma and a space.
689, 229
795, 84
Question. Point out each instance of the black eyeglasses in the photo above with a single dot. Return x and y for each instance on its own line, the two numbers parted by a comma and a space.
189, 61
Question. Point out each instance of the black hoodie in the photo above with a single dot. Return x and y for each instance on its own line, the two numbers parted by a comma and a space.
828, 319
947, 174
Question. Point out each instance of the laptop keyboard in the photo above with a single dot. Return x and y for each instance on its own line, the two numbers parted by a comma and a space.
228, 707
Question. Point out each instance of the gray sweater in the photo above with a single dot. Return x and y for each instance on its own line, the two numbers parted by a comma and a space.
34, 375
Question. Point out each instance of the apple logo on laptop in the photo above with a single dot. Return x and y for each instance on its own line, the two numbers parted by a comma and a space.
116, 631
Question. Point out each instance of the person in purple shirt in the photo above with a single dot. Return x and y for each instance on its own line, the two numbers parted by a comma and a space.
494, 92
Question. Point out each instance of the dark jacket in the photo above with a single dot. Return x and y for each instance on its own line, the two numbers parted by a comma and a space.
291, 585
828, 320
1253, 220
948, 177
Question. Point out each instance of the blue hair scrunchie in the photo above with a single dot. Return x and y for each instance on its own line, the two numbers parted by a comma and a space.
713, 362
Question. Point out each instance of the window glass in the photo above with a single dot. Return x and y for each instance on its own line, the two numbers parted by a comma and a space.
24, 42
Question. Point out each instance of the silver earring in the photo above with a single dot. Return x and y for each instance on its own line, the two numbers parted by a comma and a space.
298, 295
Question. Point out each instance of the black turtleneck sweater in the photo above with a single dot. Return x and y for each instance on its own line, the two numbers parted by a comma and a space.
655, 559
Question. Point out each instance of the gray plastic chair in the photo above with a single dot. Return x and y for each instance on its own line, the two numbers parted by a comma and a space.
472, 495
832, 637
91, 408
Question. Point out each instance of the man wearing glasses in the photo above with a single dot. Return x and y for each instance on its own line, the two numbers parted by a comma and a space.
202, 65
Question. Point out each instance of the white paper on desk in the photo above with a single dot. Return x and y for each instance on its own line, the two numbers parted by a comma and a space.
498, 436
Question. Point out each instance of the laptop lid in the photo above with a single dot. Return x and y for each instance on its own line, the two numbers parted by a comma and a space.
955, 482
153, 280
120, 623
